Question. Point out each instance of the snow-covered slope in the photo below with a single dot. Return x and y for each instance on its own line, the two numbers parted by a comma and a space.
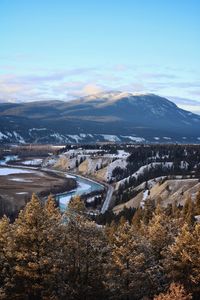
168, 192
112, 116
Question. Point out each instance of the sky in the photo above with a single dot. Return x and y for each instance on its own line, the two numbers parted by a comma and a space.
65, 49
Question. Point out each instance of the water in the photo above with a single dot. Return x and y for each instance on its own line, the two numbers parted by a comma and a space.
85, 186
7, 159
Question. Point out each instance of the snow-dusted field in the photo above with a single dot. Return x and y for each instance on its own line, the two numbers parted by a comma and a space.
33, 162
20, 180
22, 193
9, 171
120, 163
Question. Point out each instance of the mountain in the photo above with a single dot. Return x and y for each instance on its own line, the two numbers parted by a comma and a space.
113, 116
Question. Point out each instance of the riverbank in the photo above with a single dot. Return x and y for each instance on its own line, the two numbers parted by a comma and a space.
19, 182
39, 180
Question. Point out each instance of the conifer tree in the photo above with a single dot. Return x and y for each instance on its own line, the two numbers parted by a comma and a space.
175, 210
183, 259
51, 208
110, 230
159, 232
85, 252
128, 275
33, 253
136, 220
53, 258
5, 239
189, 211
149, 208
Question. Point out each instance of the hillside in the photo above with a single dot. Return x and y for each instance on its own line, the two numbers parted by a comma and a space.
168, 192
114, 117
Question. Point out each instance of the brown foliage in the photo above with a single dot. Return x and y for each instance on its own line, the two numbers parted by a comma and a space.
175, 292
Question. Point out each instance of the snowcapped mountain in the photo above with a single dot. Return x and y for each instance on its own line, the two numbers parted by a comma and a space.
111, 116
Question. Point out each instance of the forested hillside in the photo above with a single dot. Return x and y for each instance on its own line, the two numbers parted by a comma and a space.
48, 255
111, 116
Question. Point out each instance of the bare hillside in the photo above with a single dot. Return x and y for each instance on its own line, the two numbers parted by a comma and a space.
170, 191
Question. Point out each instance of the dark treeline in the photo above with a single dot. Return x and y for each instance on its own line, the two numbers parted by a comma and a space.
33, 150
162, 160
48, 255
28, 150
127, 190
185, 159
103, 148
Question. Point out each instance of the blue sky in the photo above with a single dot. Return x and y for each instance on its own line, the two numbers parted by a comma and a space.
60, 49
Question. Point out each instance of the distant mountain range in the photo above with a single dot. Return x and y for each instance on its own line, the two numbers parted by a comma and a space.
113, 116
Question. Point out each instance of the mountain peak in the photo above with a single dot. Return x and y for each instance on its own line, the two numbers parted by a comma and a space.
114, 95
109, 113
149, 100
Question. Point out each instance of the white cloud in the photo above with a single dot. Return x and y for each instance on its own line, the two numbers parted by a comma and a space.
91, 89
73, 83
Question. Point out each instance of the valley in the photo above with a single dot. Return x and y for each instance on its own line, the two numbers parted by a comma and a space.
21, 176
18, 183
109, 177
99, 150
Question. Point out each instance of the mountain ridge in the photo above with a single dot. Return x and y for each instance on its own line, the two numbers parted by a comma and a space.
145, 116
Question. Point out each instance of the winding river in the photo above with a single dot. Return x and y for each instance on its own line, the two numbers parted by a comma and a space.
84, 186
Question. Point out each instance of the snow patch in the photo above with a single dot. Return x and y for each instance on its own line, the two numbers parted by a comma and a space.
22, 193
75, 137
110, 138
18, 137
33, 162
9, 171
135, 139
3, 136
144, 198
20, 180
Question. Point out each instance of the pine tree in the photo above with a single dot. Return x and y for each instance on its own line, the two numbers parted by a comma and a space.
76, 206
183, 259
51, 209
5, 239
128, 271
175, 210
149, 208
85, 253
33, 253
159, 231
189, 211
53, 257
110, 230
136, 220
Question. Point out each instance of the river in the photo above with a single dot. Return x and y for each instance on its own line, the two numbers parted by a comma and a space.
7, 159
84, 185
